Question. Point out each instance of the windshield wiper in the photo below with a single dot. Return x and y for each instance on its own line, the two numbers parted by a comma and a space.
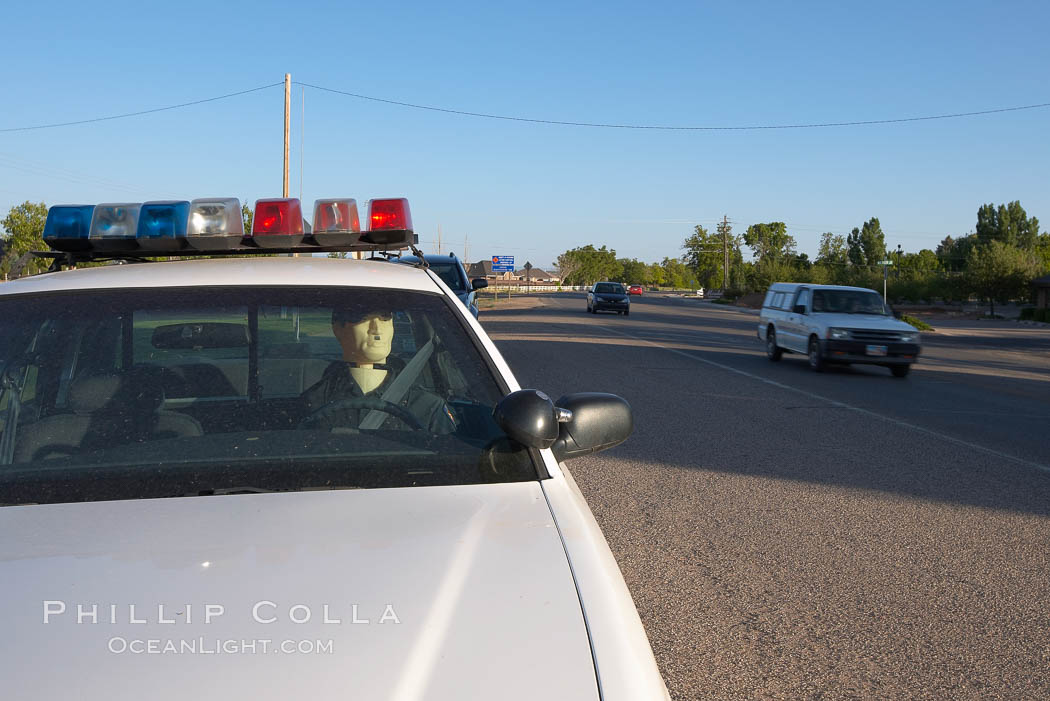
223, 491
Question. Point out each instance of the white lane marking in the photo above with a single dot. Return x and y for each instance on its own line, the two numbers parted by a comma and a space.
844, 405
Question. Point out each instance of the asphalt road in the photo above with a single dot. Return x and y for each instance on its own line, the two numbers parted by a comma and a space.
788, 534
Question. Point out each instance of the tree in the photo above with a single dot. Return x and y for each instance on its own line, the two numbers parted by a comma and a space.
632, 271
866, 245
23, 232
657, 276
705, 255
769, 242
677, 274
1008, 224
587, 264
1000, 272
247, 215
953, 253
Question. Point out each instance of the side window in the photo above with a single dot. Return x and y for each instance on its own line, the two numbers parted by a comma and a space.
778, 300
769, 299
803, 299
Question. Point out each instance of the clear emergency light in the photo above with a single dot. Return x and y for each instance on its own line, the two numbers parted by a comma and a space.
114, 227
215, 224
336, 222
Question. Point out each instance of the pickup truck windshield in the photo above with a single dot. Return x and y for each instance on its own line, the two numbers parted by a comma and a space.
849, 302
175, 392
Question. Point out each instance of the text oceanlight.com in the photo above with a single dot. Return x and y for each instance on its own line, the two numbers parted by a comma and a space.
215, 646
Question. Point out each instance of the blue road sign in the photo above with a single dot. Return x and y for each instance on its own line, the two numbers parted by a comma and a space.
502, 264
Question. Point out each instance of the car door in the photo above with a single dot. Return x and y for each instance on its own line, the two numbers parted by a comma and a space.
794, 323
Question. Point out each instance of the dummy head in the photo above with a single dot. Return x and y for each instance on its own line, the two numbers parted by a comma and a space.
364, 334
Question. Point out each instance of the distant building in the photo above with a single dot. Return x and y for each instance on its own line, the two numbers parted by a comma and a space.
1042, 291
538, 275
483, 268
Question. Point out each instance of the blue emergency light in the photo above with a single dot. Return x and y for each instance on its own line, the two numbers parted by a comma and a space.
163, 224
67, 227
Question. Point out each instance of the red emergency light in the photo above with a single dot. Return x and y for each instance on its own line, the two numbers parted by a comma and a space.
278, 223
388, 219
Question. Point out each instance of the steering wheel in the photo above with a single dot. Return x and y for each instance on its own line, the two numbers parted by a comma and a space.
333, 408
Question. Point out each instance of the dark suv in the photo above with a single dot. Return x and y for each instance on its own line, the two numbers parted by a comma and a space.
453, 274
608, 296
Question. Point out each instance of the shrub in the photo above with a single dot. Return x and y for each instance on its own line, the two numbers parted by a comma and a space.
917, 323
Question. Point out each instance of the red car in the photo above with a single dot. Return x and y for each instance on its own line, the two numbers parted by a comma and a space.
634, 290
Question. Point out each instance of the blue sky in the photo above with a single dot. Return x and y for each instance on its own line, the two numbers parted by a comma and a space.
533, 190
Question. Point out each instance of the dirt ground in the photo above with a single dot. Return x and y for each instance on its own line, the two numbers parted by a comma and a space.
524, 301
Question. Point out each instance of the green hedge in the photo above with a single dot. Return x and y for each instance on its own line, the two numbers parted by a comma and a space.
917, 323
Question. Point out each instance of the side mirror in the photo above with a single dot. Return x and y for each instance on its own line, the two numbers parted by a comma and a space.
528, 416
598, 422
478, 283
799, 309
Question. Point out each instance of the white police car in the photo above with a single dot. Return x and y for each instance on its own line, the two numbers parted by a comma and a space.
289, 478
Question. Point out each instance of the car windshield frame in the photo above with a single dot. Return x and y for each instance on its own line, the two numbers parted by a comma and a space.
467, 384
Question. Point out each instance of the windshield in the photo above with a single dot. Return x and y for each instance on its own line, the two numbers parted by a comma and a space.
609, 288
449, 274
137, 394
849, 302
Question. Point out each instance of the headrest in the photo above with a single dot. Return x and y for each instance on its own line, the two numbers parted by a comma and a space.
134, 390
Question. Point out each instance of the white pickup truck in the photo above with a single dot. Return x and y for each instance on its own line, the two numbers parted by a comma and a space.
836, 324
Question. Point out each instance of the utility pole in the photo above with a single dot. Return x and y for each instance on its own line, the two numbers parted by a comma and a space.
302, 139
466, 250
439, 239
724, 229
287, 126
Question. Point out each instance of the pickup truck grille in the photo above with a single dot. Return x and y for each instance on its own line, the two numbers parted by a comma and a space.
875, 336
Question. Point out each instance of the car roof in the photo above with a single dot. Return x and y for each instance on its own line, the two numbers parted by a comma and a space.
430, 258
790, 286
230, 272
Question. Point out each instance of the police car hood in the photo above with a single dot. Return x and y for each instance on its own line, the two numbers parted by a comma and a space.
872, 322
431, 592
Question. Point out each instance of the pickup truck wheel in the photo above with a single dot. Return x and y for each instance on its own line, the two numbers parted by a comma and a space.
900, 370
816, 360
773, 352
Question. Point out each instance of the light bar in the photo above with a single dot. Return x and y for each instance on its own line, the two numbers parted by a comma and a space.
278, 223
114, 226
336, 222
163, 224
390, 222
67, 227
215, 223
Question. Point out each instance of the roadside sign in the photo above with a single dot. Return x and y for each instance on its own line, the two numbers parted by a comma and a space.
502, 264
885, 262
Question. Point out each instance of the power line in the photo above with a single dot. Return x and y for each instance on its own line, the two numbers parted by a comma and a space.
752, 127
141, 112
